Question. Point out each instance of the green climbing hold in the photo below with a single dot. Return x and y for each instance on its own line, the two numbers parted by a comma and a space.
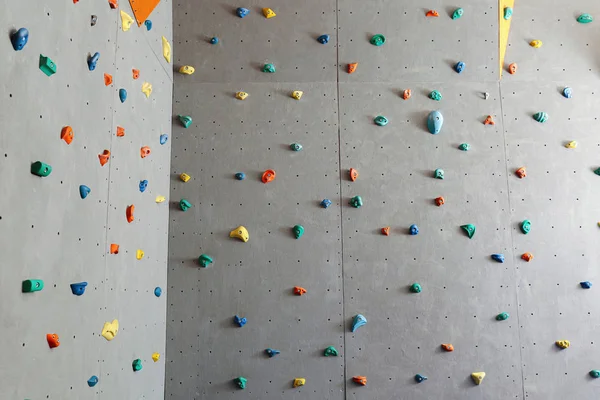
269, 68
186, 120
137, 365
540, 117
470, 229
381, 120
585, 18
356, 202
296, 146
508, 12
502, 316
458, 13
597, 171
205, 260
526, 226
416, 288
298, 231
241, 382
438, 173
330, 352
40, 169
184, 205
32, 285
377, 40
595, 373
435, 95
47, 65
465, 147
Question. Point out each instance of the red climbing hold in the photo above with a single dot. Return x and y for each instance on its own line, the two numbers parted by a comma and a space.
432, 13
145, 151
107, 79
268, 176
521, 172
489, 121
512, 68
114, 248
114, 4
361, 380
527, 257
385, 231
104, 157
299, 291
353, 174
439, 201
120, 131
352, 67
129, 213
67, 134
406, 94
447, 347
136, 73
53, 340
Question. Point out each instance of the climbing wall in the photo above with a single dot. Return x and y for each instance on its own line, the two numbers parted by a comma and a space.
51, 233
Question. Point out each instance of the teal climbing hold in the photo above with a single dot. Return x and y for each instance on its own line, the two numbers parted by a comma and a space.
241, 382
465, 147
438, 173
469, 229
358, 321
381, 120
540, 117
186, 120
458, 13
508, 12
526, 226
435, 121
420, 378
84, 191
597, 171
435, 95
32, 285
585, 18
47, 65
296, 146
502, 316
298, 231
269, 68
330, 352
595, 373
205, 260
184, 205
377, 40
93, 381
41, 169
416, 288
137, 365
356, 202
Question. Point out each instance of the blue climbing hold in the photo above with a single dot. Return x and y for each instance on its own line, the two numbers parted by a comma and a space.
498, 257
92, 381
413, 230
435, 120
214, 40
84, 191
459, 67
78, 288
143, 185
122, 95
240, 321
568, 92
586, 284
242, 12
359, 320
157, 291
325, 203
163, 138
272, 352
240, 176
323, 39
148, 24
420, 378
19, 39
93, 60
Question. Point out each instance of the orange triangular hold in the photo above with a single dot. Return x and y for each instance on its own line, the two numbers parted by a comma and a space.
352, 67
142, 9
385, 231
489, 121
299, 291
120, 131
107, 79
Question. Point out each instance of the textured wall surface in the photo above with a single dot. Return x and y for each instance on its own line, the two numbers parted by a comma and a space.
50, 233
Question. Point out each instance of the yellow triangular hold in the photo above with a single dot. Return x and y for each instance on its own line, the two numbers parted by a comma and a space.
155, 357
126, 21
166, 49
478, 377
147, 89
110, 330
160, 199
504, 30
268, 13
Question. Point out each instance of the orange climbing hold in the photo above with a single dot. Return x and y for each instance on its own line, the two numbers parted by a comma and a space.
439, 201
114, 248
67, 134
136, 73
447, 347
104, 157
145, 151
521, 172
268, 176
352, 67
527, 257
512, 68
353, 174
120, 131
299, 291
114, 4
432, 13
361, 380
385, 231
489, 121
107, 79
406, 94
129, 213
53, 340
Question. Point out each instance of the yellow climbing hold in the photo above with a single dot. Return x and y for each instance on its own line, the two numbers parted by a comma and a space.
155, 357
563, 344
185, 177
147, 89
478, 377
240, 233
110, 329
160, 199
299, 382
241, 95
571, 145
139, 254
187, 70
166, 49
536, 44
126, 21
297, 94
269, 13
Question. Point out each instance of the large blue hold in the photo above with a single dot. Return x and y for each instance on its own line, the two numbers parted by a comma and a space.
143, 185
92, 381
459, 67
240, 321
359, 320
84, 191
19, 39
163, 138
242, 12
272, 352
323, 39
93, 60
586, 284
122, 95
78, 288
498, 257
435, 120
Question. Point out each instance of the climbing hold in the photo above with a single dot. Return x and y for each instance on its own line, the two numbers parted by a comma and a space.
416, 288
439, 201
298, 231
299, 291
240, 176
352, 67
527, 257
240, 321
41, 169
240, 233
269, 68
93, 20
432, 13
486, 95
361, 380
136, 365
295, 146
356, 202
299, 382
32, 285
420, 378
406, 94
143, 185
512, 68
353, 174
464, 147
187, 70
185, 177
458, 13
184, 205
78, 288
53, 340
268, 13
110, 330
502, 316
595, 373
144, 151
107, 79
126, 21
242, 12
586, 284
214, 40
571, 145
114, 4
241, 382
377, 40
597, 171
114, 248
122, 95
93, 381
325, 203
330, 352
104, 157
155, 357
47, 65
148, 24
563, 344
163, 138
568, 92
129, 213
447, 347
459, 67
536, 44
268, 176
585, 18
166, 49
489, 120
93, 60
438, 173
469, 229
478, 377
323, 39
19, 38
66, 134
120, 131
160, 199
147, 89
241, 95
358, 321
540, 117
435, 95
508, 12
526, 226
272, 352
385, 231
139, 254
185, 120
498, 257
521, 172
381, 120
205, 260
413, 230
297, 94
157, 291
435, 120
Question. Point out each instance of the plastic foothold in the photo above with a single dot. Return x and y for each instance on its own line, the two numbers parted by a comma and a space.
406, 94
489, 120
568, 92
571, 145
563, 344
166, 49
298, 231
184, 205
439, 201
356, 202
377, 40
352, 67
297, 94
129, 213
469, 229
93, 20
32, 285
413, 230
241, 95
540, 117
502, 316
155, 357
498, 257
385, 231
512, 68
272, 352
136, 365
527, 257
163, 138
459, 67
214, 40
486, 95
464, 147
241, 382
478, 377
323, 39
435, 95
240, 321
66, 134
148, 24
361, 380
143, 185
268, 176
597, 171
358, 321
432, 13
187, 70
242, 12
185, 120
447, 347
126, 21
144, 151
47, 65
521, 172
526, 226
147, 89
139, 254
19, 39
122, 95
585, 18
353, 174
160, 199
41, 169
78, 288
107, 79
330, 352
595, 373
268, 13
157, 291
586, 284
381, 120
416, 288
114, 4
240, 233
185, 177
205, 260
458, 13
240, 176
114, 248
508, 12
435, 121
299, 382
299, 291
53, 340
438, 173
120, 131
536, 44
420, 378
93, 381
269, 68
326, 203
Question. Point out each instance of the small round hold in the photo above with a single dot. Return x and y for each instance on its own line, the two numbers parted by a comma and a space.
416, 288
214, 40
296, 146
268, 176
459, 67
568, 92
536, 44
512, 68
464, 147
502, 316
420, 378
413, 230
595, 373
377, 40
435, 95
240, 176
326, 203
380, 120
157, 291
323, 39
